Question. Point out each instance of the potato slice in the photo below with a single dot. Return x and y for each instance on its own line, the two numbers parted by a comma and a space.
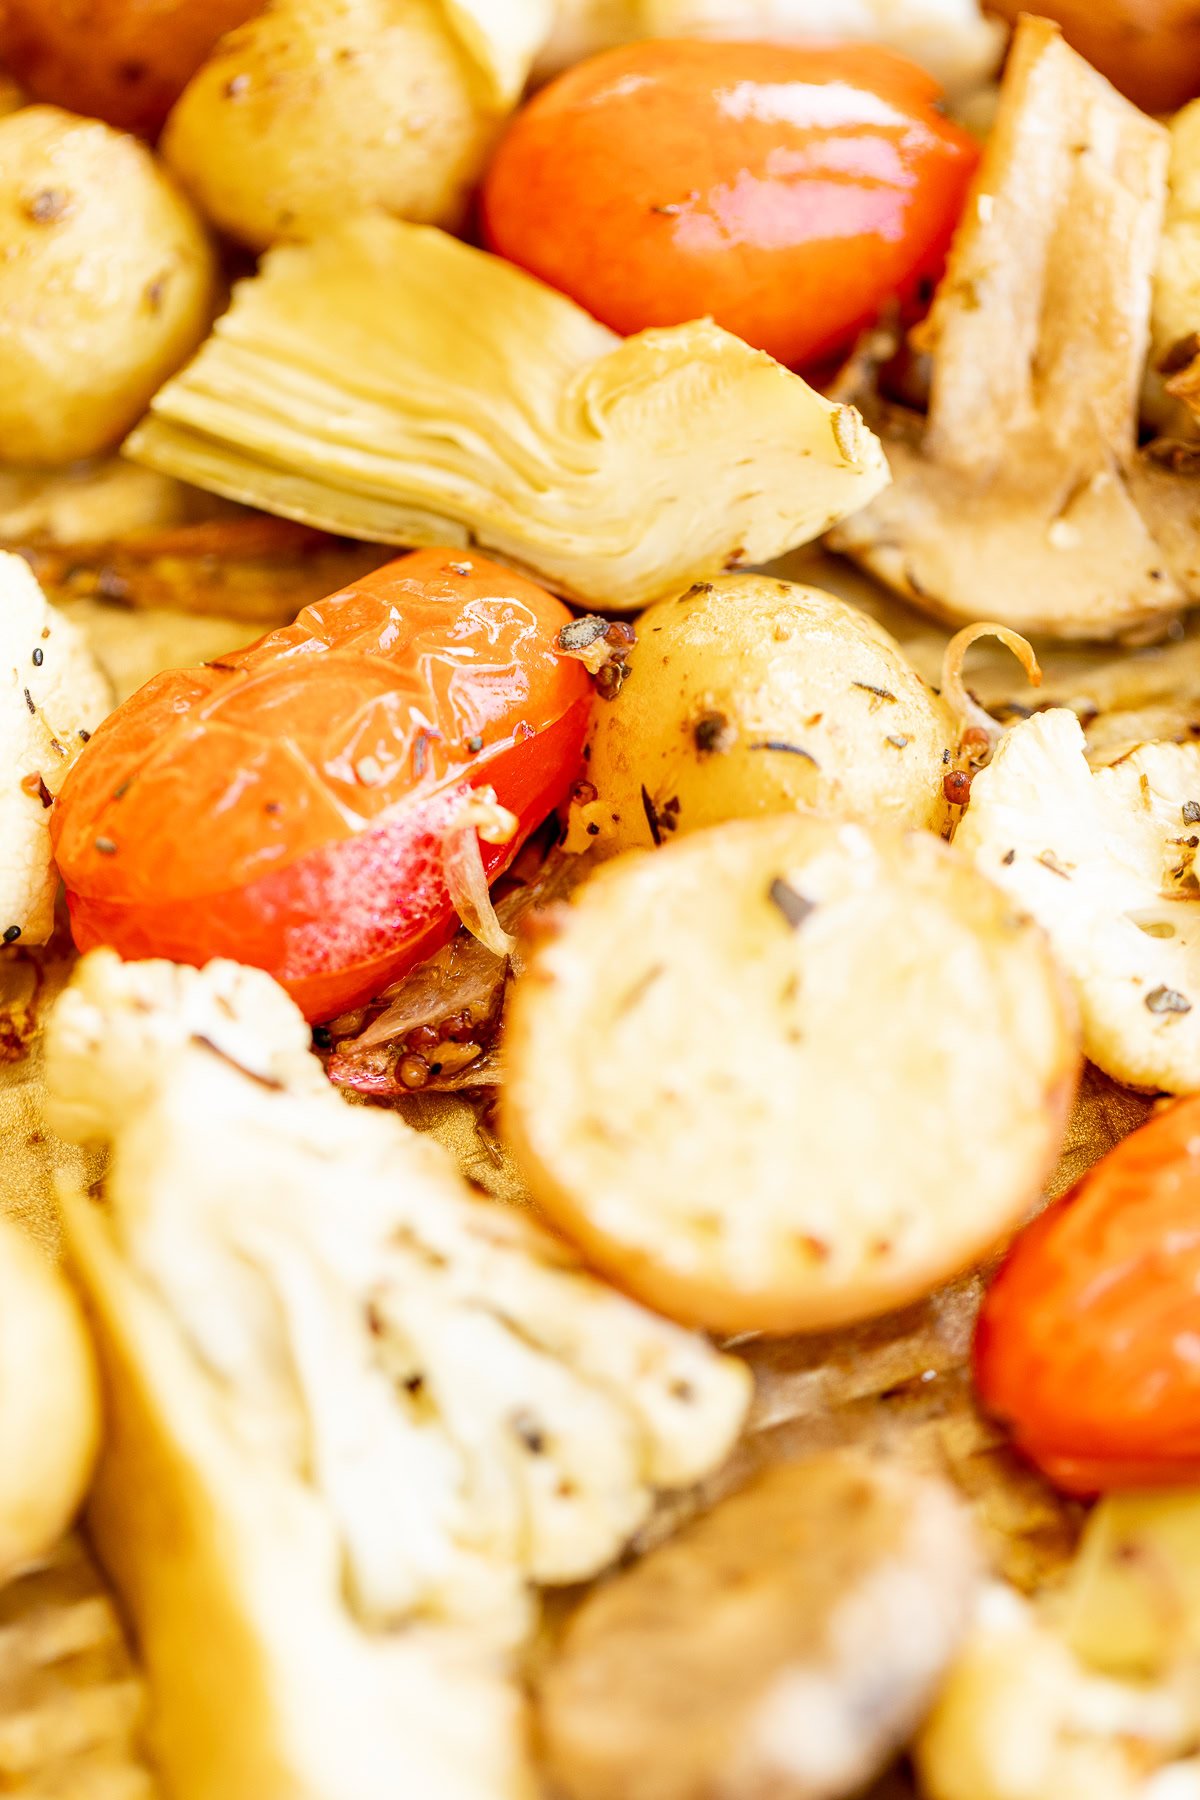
786, 1073
1106, 861
782, 1648
750, 695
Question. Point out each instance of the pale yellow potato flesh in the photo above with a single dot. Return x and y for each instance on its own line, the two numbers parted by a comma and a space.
751, 695
107, 284
49, 1402
780, 1648
785, 1073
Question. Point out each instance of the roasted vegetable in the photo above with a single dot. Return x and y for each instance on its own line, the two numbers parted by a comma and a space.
950, 38
391, 383
106, 285
1175, 316
734, 1069
1084, 1345
782, 1648
1150, 49
323, 1501
1022, 1719
332, 778
748, 695
1132, 1601
49, 1403
1023, 496
787, 193
123, 61
320, 108
1104, 861
52, 695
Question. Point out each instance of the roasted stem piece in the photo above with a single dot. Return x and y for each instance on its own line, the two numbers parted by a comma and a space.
1022, 496
389, 382
354, 1411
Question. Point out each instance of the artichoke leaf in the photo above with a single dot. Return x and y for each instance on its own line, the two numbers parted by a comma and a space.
503, 37
1023, 496
388, 382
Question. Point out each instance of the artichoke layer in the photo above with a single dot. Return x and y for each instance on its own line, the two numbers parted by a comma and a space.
391, 383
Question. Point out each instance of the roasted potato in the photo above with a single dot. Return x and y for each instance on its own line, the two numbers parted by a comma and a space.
781, 1648
107, 283
320, 108
748, 695
785, 1073
124, 61
49, 1402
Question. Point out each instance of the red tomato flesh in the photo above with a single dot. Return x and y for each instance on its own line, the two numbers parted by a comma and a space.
285, 806
786, 191
1088, 1343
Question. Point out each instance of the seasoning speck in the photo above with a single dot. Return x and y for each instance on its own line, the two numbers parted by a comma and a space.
795, 906
580, 633
48, 206
713, 734
956, 786
12, 933
39, 657
105, 846
1191, 812
461, 568
652, 818
898, 740
475, 744
787, 749
1167, 1000
29, 700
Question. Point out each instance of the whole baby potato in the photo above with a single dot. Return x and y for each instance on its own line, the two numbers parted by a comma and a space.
124, 61
748, 695
319, 108
107, 284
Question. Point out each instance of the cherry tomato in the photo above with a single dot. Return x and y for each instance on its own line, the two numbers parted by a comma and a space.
1088, 1344
286, 806
785, 191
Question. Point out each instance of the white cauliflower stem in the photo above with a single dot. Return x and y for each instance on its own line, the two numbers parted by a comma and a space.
475, 1411
50, 691
1105, 860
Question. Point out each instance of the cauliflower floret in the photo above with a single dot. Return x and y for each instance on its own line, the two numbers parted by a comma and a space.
51, 692
1022, 1719
1105, 860
476, 1412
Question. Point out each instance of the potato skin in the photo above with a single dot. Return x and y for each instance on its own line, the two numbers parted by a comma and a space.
123, 61
747, 662
107, 284
320, 108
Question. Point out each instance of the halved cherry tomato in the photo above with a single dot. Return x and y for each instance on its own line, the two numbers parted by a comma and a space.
786, 191
286, 806
1088, 1344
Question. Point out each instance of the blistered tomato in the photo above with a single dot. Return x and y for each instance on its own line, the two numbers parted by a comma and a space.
1088, 1344
787, 192
288, 806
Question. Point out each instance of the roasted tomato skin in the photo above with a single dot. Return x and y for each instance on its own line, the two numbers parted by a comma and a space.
286, 805
1088, 1344
786, 191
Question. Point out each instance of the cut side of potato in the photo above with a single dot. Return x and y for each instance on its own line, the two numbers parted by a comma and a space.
1105, 861
781, 1648
388, 382
787, 1073
748, 695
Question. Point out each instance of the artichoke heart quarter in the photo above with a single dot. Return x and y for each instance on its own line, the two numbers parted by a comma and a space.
356, 1415
389, 382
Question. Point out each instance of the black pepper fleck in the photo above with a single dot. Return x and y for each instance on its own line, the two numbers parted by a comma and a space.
1167, 1000
12, 933
795, 906
105, 846
39, 657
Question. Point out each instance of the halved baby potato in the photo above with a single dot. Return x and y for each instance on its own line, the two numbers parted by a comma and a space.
781, 1648
1105, 860
751, 695
788, 1073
